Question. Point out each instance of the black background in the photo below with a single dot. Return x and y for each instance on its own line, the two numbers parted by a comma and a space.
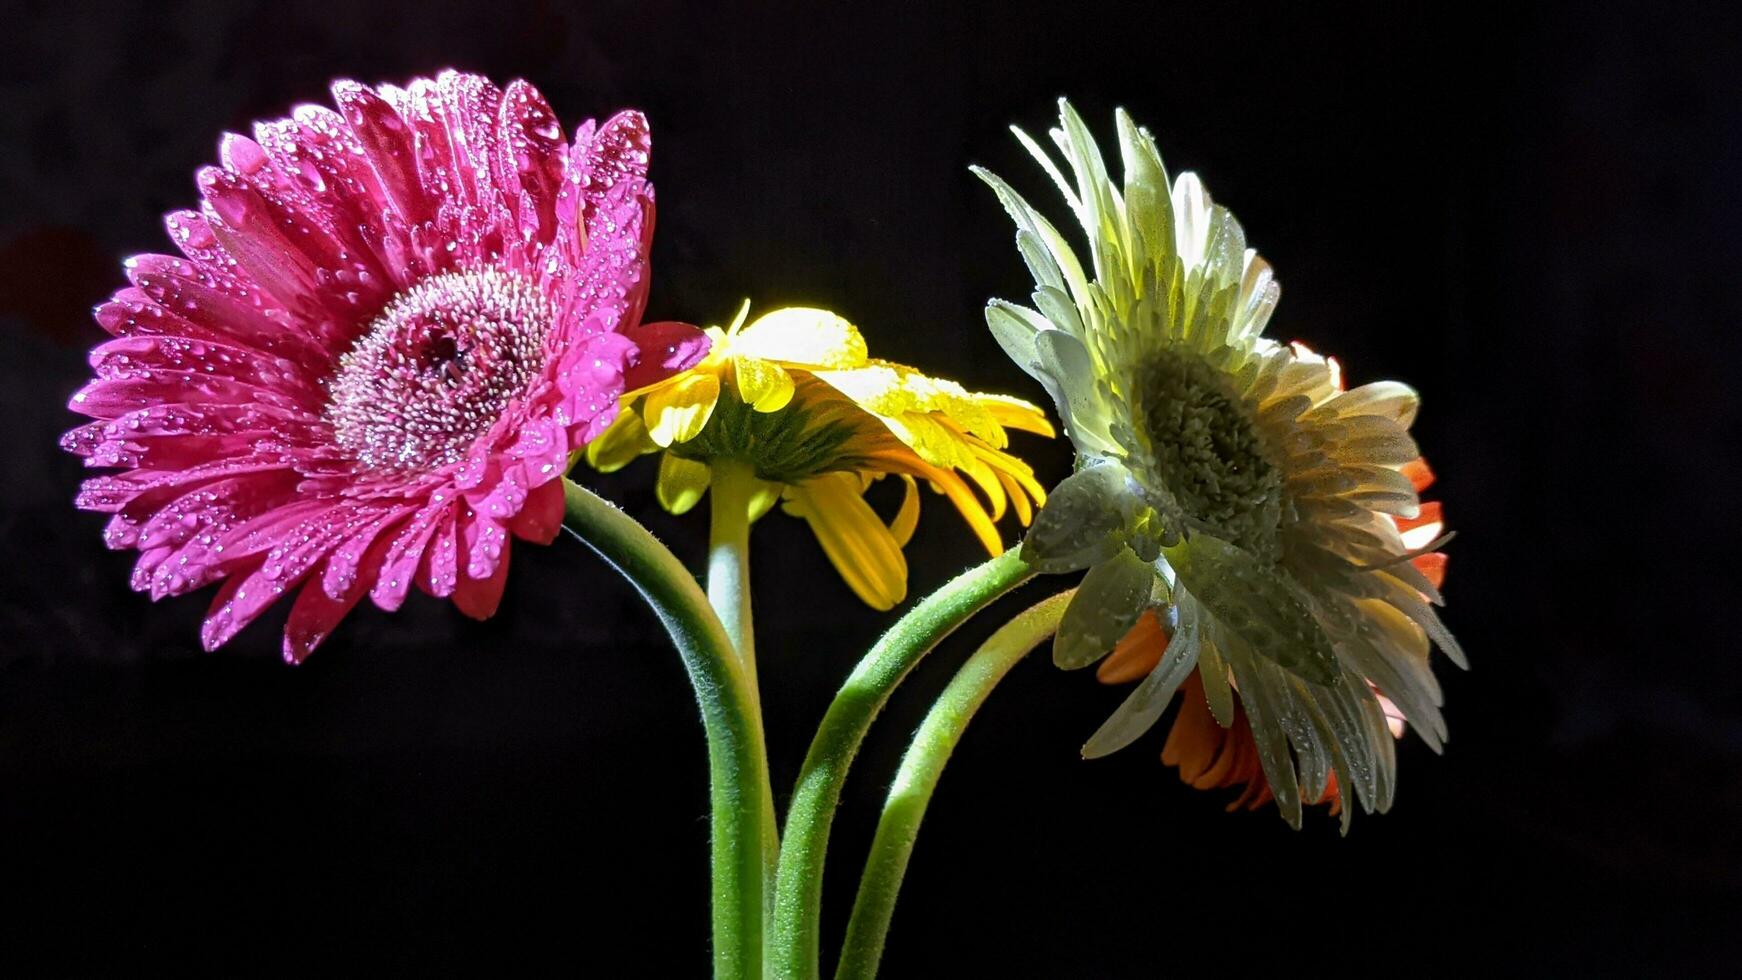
1532, 214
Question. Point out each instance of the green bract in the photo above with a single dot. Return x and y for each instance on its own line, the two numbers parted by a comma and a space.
802, 439
1226, 480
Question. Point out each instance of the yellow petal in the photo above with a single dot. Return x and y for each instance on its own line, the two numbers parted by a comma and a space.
763, 385
738, 319
907, 518
876, 388
1024, 512
1014, 413
972, 511
681, 483
618, 445
801, 335
1017, 478
936, 442
944, 398
864, 551
763, 496
679, 412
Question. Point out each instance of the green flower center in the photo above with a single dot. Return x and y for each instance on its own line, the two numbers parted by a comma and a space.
1206, 468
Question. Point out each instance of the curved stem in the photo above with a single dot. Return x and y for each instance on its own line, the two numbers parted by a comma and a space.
795, 930
731, 488
918, 776
737, 758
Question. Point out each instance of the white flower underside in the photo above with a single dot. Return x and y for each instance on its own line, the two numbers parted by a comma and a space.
1223, 477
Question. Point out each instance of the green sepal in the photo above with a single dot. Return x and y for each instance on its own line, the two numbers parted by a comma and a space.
1152, 695
1213, 672
1107, 604
1255, 602
1083, 523
807, 437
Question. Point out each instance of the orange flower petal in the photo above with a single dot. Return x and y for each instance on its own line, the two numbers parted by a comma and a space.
1135, 655
1430, 514
1418, 473
1433, 567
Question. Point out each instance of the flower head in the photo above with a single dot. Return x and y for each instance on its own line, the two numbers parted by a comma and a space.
389, 326
795, 397
1230, 482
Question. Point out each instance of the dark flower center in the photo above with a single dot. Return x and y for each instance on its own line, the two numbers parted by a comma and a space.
1206, 464
437, 368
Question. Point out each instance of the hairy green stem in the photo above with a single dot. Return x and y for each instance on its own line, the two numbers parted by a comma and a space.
729, 491
737, 758
731, 488
795, 930
918, 776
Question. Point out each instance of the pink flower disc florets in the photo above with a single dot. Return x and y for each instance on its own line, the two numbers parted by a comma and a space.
437, 368
389, 328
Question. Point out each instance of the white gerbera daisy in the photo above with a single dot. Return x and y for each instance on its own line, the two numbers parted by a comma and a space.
1224, 480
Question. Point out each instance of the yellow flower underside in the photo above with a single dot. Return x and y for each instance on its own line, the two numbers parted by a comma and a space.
902, 422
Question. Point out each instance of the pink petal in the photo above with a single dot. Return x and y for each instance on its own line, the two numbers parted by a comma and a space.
590, 378
242, 155
132, 356
348, 567
240, 601
108, 494
250, 229
195, 525
614, 162
534, 147
150, 562
478, 598
191, 234
109, 398
403, 557
543, 449
319, 607
270, 529
663, 349
439, 571
542, 517
503, 499
308, 543
168, 419
134, 313
469, 106
170, 452
325, 170
485, 540
217, 302
387, 144
478, 468
313, 616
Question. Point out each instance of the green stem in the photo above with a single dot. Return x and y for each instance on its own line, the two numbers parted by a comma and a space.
918, 776
731, 488
795, 931
737, 758
729, 491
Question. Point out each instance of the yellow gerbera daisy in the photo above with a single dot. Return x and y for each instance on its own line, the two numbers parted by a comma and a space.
795, 396
1225, 480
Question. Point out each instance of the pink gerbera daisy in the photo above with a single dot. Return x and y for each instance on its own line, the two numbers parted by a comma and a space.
391, 326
